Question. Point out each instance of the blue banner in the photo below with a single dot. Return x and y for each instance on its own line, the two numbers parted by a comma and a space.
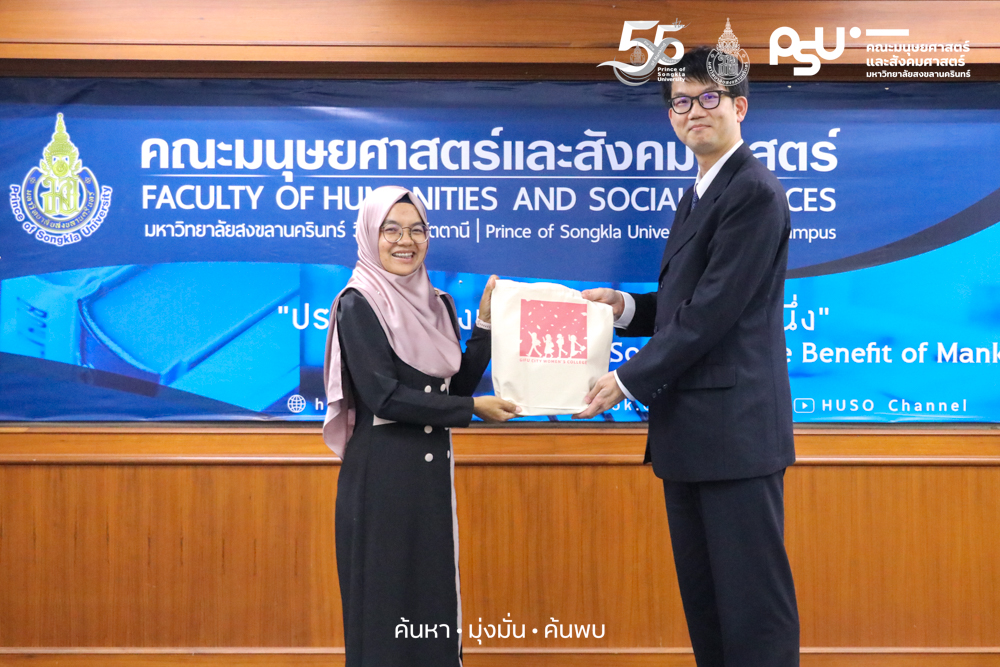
171, 248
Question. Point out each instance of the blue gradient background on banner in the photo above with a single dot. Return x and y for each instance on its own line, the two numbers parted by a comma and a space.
124, 325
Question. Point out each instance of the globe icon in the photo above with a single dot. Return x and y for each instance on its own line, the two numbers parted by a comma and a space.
296, 403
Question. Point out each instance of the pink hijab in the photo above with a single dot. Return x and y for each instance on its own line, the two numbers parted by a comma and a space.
413, 316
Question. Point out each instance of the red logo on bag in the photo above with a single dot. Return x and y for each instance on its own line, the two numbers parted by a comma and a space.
553, 331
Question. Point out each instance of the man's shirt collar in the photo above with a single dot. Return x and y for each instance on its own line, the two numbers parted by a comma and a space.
701, 184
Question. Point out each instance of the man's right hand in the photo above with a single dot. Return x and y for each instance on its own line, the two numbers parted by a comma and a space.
611, 297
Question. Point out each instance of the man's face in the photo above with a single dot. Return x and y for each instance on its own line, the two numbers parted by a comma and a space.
707, 131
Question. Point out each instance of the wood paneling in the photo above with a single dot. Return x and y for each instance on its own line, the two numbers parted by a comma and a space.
895, 555
891, 534
187, 69
504, 31
511, 444
580, 544
167, 556
474, 658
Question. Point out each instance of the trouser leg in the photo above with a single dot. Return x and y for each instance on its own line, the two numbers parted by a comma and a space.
694, 573
754, 591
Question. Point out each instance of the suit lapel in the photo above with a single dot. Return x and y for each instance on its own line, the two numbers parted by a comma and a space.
680, 231
688, 222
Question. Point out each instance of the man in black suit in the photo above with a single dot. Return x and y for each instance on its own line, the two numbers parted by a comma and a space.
714, 376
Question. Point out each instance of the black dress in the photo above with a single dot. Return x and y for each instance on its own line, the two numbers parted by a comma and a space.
397, 531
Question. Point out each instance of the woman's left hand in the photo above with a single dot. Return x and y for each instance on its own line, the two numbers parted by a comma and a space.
484, 303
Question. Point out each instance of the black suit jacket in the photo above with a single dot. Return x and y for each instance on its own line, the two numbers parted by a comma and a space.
714, 374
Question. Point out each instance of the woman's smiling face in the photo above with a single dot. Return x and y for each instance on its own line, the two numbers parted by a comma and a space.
404, 256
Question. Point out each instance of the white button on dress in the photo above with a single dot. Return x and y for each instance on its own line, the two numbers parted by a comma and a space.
429, 457
444, 387
428, 429
427, 389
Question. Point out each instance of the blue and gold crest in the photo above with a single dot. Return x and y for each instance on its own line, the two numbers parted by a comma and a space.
60, 201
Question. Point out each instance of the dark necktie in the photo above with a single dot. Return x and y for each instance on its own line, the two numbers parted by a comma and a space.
694, 198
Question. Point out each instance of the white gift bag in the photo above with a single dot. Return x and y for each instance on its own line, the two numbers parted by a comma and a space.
550, 345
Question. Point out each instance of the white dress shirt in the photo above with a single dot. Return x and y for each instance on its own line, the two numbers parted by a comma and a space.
701, 185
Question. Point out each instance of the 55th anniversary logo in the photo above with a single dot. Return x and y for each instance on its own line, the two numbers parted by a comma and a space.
60, 201
728, 64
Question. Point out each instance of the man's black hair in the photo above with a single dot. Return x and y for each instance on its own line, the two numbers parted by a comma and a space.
693, 66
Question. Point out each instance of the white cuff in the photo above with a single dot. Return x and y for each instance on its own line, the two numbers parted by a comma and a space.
628, 313
485, 325
625, 391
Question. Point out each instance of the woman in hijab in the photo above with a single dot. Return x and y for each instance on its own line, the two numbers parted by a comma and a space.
396, 381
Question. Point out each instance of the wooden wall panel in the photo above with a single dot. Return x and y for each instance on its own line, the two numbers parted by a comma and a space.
504, 31
896, 555
581, 544
168, 556
512, 444
229, 552
475, 658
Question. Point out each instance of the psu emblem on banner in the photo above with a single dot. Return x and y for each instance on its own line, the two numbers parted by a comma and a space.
59, 201
728, 64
